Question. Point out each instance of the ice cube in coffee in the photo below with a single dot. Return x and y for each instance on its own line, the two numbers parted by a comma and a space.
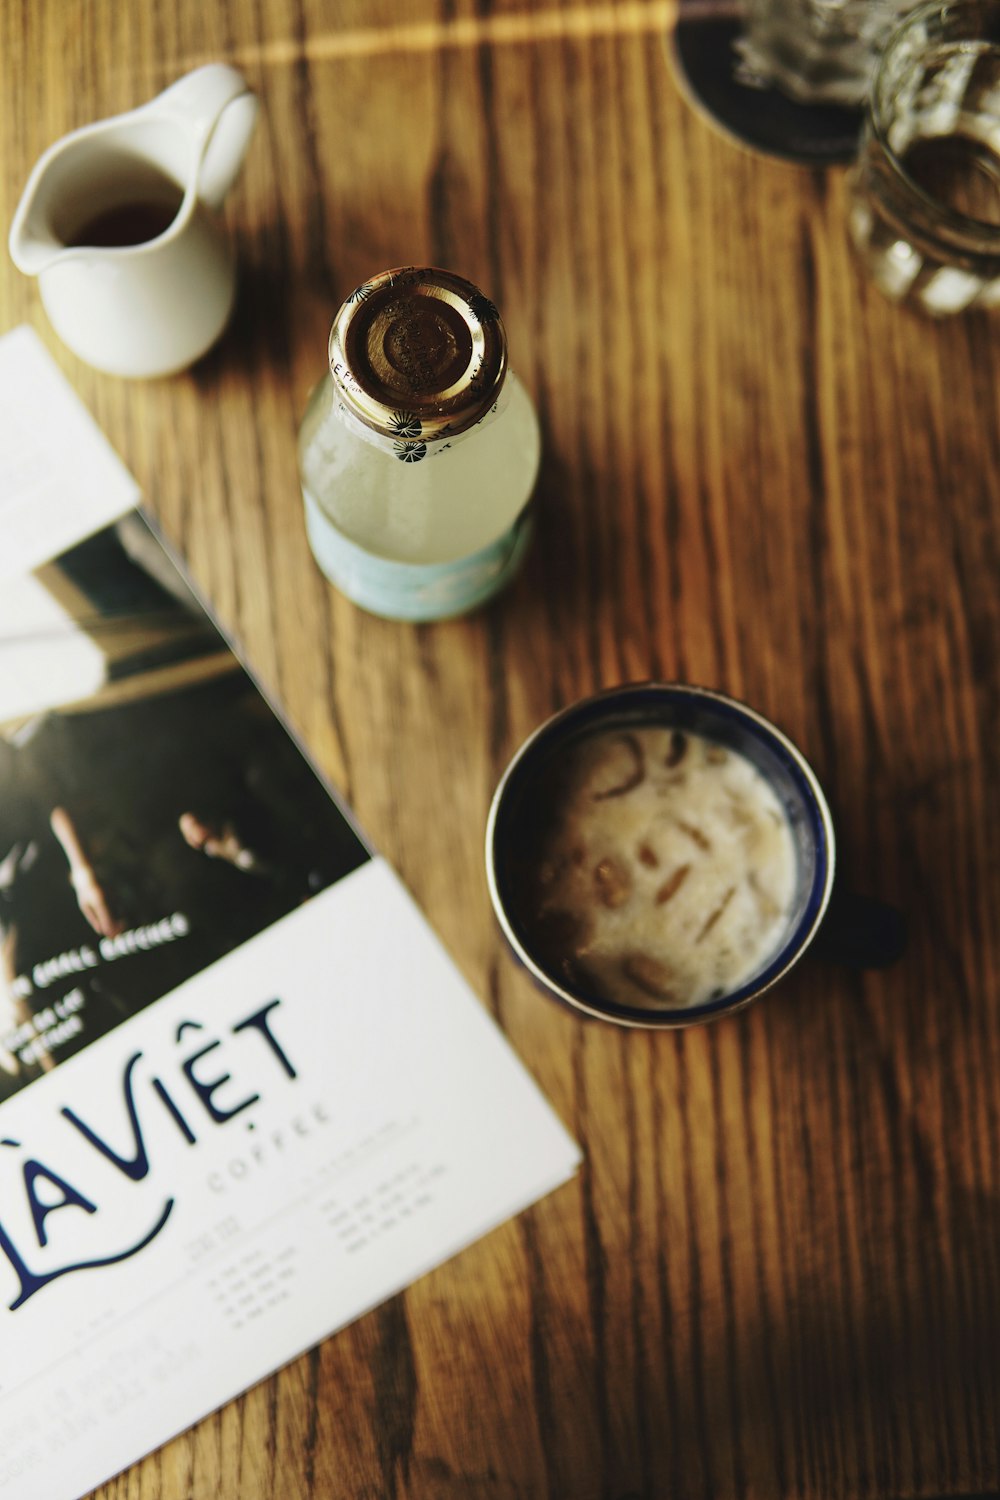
665, 873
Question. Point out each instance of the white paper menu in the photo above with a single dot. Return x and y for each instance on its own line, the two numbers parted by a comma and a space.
244, 1094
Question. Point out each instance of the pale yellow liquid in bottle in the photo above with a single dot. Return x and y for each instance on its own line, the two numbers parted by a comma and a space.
454, 502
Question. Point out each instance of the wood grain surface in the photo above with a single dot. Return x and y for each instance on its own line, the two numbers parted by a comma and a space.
778, 1273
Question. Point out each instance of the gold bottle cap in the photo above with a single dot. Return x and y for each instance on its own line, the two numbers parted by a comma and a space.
418, 354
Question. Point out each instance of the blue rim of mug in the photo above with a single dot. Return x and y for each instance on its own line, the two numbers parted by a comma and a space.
609, 705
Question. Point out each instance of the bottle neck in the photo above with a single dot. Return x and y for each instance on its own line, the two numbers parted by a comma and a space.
406, 442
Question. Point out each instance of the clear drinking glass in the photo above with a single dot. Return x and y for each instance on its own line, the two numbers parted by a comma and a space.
816, 51
924, 207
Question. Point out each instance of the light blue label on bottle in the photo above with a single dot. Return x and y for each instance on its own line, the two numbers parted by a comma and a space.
416, 591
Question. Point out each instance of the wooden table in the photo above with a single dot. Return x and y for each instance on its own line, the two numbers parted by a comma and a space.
778, 1273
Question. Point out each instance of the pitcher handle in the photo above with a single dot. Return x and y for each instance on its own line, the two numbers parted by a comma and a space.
214, 103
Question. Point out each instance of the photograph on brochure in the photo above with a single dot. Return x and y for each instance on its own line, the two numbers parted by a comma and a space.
153, 811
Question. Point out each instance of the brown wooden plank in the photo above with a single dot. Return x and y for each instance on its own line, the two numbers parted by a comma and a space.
779, 1272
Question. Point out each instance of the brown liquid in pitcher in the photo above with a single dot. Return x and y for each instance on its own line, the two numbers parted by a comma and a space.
126, 224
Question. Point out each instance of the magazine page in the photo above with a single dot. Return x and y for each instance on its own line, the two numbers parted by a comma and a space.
244, 1094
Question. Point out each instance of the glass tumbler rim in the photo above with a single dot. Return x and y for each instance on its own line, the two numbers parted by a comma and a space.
960, 225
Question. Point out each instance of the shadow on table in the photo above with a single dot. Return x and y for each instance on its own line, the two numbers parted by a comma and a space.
887, 1386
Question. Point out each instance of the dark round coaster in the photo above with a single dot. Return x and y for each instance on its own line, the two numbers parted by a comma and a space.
702, 54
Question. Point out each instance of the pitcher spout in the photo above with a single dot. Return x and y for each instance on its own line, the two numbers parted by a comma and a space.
89, 174
31, 255
35, 242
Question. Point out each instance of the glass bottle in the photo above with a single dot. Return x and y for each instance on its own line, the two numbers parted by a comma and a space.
419, 452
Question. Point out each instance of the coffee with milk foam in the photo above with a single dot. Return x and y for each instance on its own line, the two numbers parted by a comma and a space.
666, 874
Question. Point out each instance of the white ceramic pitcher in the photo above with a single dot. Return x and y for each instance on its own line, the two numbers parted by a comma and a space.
155, 287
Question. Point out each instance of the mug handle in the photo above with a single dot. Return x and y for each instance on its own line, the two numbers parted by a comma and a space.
859, 932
